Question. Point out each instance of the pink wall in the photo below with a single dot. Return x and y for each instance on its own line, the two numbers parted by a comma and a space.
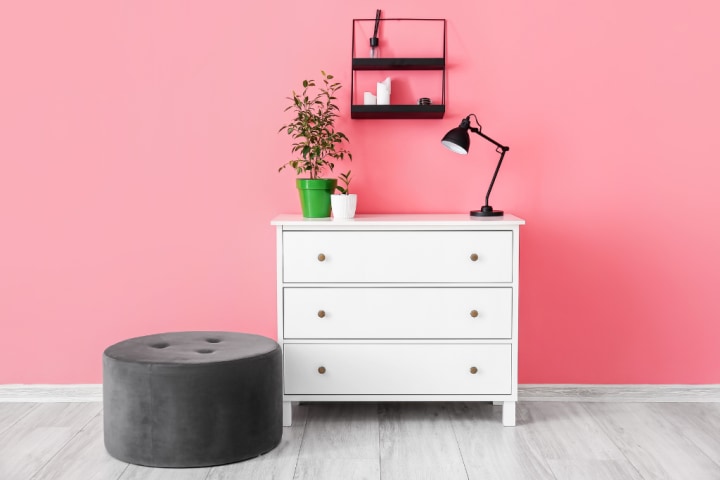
139, 149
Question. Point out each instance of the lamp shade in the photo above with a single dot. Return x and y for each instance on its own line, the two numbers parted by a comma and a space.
457, 140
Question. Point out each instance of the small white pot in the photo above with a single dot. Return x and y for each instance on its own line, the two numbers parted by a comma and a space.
343, 206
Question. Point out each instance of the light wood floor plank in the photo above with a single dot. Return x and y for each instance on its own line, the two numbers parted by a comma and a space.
278, 464
653, 443
573, 443
84, 457
341, 441
699, 422
490, 450
32, 441
136, 472
11, 413
417, 441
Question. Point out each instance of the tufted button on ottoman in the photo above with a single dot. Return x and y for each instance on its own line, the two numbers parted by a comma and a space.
192, 399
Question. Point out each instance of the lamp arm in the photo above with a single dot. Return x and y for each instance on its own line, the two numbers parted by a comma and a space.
497, 169
500, 148
479, 132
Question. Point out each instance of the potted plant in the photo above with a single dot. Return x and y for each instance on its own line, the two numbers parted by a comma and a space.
344, 203
317, 142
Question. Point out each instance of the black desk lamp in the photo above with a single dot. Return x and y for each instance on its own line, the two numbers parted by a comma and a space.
458, 140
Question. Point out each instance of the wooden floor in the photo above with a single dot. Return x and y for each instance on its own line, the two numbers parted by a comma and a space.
404, 441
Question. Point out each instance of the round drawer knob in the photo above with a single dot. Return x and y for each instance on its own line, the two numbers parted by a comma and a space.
473, 370
474, 257
321, 257
321, 370
474, 313
321, 313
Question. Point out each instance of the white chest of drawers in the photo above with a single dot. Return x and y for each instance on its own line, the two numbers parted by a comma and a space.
398, 308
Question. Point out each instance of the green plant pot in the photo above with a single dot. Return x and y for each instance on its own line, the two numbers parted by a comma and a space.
315, 196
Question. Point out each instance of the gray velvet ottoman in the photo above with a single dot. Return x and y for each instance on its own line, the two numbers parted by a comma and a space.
192, 399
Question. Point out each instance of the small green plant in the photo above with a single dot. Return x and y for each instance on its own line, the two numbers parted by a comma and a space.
344, 178
313, 128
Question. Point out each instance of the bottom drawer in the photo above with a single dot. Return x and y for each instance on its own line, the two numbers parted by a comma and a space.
397, 369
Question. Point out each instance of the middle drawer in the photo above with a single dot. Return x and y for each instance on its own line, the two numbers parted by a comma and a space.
397, 313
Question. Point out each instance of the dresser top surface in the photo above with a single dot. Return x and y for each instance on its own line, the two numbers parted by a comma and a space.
400, 219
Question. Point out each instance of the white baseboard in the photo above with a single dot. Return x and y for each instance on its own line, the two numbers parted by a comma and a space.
618, 393
51, 393
526, 392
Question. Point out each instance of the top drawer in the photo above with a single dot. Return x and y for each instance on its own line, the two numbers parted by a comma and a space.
397, 256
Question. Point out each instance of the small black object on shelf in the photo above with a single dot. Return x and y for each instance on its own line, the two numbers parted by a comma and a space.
458, 140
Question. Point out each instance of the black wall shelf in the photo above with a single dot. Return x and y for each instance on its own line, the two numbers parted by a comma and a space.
395, 111
398, 63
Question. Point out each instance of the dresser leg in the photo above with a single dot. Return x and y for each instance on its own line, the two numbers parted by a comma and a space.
287, 414
508, 415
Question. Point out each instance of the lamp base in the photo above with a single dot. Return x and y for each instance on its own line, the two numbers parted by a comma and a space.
486, 211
